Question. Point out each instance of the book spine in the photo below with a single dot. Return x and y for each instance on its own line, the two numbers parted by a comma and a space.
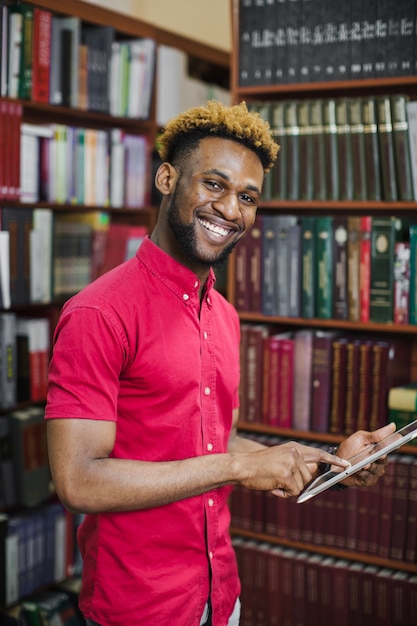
357, 130
340, 273
402, 148
308, 265
41, 55
331, 149
307, 154
365, 267
411, 109
413, 275
382, 265
372, 155
318, 164
353, 267
279, 172
344, 145
292, 132
324, 266
401, 282
386, 148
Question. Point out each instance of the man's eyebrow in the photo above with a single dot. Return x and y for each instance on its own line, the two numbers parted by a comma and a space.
221, 174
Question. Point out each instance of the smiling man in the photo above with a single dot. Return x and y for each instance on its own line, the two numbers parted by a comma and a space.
143, 395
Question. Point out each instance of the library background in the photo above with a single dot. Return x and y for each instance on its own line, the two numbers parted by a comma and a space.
325, 285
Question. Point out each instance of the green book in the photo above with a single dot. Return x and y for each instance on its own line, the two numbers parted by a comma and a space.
402, 148
324, 266
279, 171
413, 275
26, 57
386, 149
402, 418
308, 266
331, 149
382, 269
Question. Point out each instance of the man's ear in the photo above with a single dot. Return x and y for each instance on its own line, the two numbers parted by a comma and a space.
166, 178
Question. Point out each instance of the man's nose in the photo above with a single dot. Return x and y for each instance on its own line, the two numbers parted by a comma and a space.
228, 206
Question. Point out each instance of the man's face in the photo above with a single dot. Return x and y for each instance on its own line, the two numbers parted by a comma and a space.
215, 199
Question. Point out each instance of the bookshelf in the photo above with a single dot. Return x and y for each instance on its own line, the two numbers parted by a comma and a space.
207, 64
250, 25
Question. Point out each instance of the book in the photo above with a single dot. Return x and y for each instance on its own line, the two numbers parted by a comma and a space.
340, 263
401, 143
411, 112
365, 382
318, 164
5, 295
401, 282
365, 267
345, 152
331, 149
41, 54
324, 266
295, 269
254, 372
353, 268
279, 172
283, 224
123, 240
8, 490
382, 262
386, 149
253, 279
352, 385
321, 380
8, 360
98, 40
15, 38
18, 224
372, 154
339, 386
269, 254
357, 132
403, 397
413, 276
30, 455
303, 352
307, 155
390, 367
308, 266
41, 261
292, 133
400, 508
26, 53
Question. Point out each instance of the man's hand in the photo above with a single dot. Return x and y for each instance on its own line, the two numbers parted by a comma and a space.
355, 444
284, 469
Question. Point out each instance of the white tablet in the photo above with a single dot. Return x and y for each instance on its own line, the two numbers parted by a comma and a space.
371, 453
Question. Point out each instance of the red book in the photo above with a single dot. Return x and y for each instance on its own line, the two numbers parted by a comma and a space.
386, 508
339, 576
244, 333
8, 149
41, 55
321, 384
285, 372
303, 355
338, 395
365, 380
365, 267
411, 535
390, 368
241, 275
122, 241
383, 593
400, 508
254, 372
312, 589
352, 385
3, 125
270, 409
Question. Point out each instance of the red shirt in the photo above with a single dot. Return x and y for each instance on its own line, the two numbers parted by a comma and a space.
136, 348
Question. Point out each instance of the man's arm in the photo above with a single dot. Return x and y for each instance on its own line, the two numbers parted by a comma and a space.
88, 480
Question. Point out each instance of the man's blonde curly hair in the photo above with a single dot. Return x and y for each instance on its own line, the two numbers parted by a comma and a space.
183, 133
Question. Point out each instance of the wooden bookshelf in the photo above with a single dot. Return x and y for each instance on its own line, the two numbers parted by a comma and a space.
298, 91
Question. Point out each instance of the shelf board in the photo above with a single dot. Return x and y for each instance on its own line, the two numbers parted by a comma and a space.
326, 323
339, 206
348, 555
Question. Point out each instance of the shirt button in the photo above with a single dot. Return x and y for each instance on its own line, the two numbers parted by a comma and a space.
208, 301
211, 502
185, 296
211, 555
196, 284
209, 447
207, 391
205, 335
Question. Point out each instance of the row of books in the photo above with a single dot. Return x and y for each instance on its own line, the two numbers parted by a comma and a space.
379, 521
37, 549
61, 60
357, 148
287, 41
25, 351
71, 165
319, 380
283, 587
54, 255
24, 471
345, 267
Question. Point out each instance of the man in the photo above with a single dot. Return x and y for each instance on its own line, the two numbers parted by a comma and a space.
143, 394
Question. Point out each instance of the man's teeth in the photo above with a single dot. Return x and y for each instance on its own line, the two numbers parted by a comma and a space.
218, 230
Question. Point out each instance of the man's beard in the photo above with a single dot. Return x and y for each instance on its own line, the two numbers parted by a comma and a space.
185, 235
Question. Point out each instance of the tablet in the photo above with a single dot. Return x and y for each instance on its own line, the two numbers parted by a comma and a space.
371, 453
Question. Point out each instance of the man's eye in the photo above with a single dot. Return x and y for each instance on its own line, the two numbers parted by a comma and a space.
247, 199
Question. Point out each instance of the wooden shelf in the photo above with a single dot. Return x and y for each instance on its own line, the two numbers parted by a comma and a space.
348, 555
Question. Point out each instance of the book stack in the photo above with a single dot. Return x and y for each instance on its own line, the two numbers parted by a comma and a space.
60, 60
305, 42
356, 268
287, 586
364, 148
319, 380
37, 549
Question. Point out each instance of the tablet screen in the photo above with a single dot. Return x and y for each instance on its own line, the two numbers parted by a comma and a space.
369, 454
